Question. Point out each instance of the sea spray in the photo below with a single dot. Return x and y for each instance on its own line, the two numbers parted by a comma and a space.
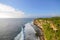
20, 36
30, 32
27, 33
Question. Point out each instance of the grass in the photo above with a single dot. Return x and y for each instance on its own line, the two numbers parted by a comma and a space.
49, 33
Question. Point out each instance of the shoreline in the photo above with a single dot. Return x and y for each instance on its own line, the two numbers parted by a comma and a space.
50, 28
41, 34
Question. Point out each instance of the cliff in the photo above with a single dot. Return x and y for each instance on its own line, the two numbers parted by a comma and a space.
50, 28
41, 36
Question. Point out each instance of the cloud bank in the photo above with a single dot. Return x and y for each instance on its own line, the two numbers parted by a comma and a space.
7, 11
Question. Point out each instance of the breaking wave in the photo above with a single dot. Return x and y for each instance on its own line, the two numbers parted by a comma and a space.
27, 33
20, 36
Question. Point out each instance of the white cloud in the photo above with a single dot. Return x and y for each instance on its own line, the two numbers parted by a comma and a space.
7, 11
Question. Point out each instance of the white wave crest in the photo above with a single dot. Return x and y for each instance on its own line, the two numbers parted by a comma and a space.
20, 36
28, 33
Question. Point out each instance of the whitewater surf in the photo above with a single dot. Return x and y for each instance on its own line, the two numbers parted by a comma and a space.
27, 33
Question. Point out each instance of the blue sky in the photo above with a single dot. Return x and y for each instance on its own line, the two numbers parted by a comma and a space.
35, 8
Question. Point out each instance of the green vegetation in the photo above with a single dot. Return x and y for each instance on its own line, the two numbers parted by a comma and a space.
51, 27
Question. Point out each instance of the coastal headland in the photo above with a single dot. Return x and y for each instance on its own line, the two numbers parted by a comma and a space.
50, 28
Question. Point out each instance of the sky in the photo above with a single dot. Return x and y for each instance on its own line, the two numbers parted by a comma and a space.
29, 8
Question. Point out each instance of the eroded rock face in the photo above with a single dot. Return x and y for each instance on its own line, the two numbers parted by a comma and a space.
39, 25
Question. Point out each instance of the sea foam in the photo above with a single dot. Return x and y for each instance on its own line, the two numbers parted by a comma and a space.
27, 33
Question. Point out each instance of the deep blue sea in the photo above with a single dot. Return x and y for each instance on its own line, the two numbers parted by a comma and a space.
11, 27
18, 29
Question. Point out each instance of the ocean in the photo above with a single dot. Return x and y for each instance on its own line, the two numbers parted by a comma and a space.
12, 29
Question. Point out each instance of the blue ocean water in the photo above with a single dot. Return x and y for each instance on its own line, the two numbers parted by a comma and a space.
11, 27
18, 29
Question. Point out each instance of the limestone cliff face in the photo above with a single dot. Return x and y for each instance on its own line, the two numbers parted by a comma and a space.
38, 24
49, 27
